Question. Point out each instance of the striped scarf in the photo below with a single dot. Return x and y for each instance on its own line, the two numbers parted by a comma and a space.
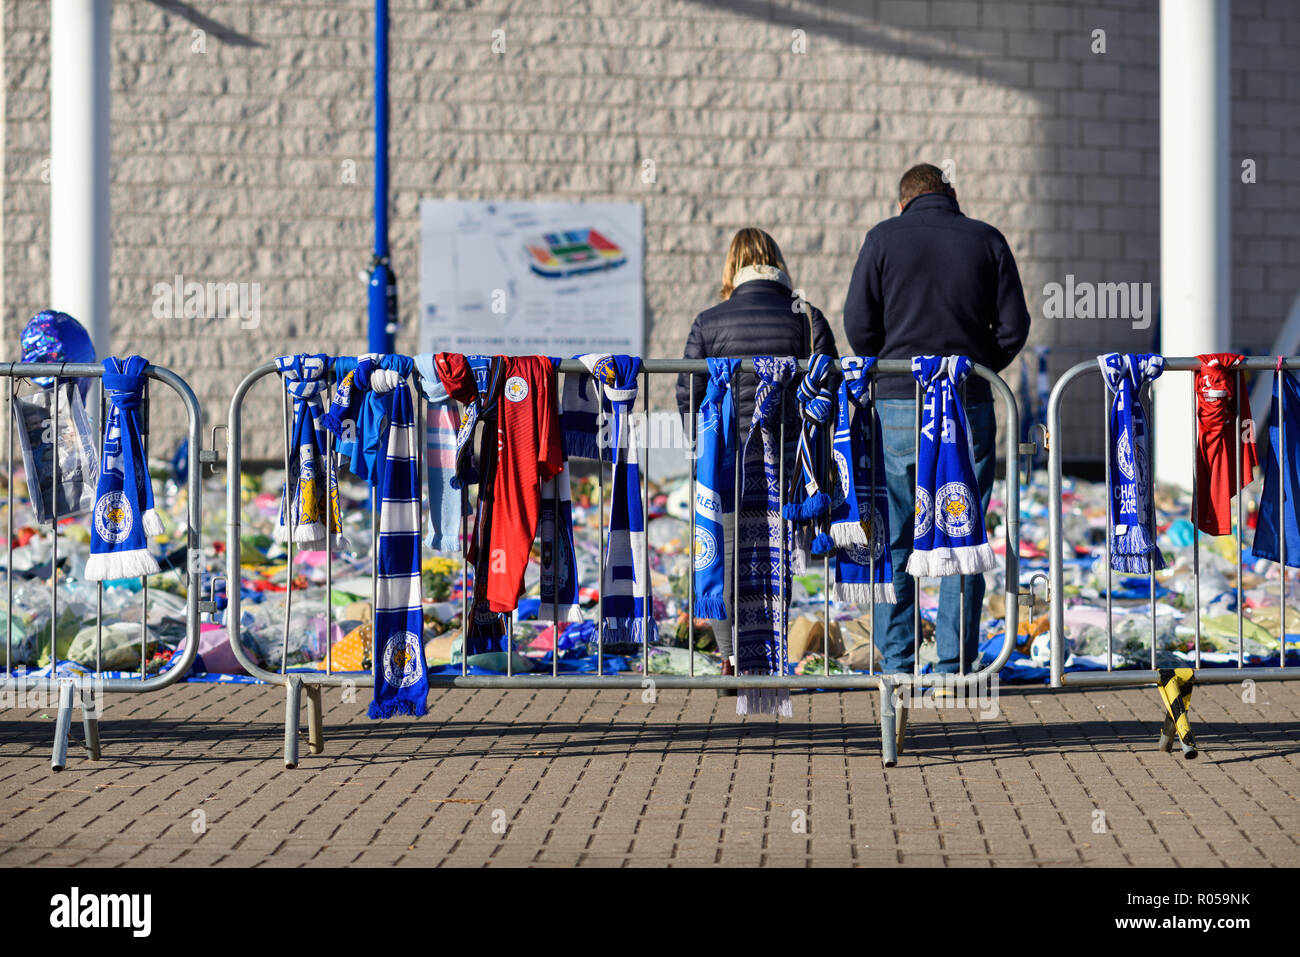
625, 578
763, 592
860, 506
310, 501
808, 500
401, 684
441, 419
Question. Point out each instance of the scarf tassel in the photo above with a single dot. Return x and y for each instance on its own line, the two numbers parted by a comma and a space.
822, 545
398, 707
814, 506
962, 560
848, 533
710, 606
765, 701
864, 592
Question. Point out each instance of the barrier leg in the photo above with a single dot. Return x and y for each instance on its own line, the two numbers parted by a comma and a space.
888, 726
90, 723
292, 705
62, 725
901, 708
1166, 743
1175, 686
315, 731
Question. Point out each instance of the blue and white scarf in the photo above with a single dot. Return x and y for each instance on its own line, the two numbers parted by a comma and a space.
559, 597
625, 577
309, 503
763, 593
860, 504
441, 424
401, 683
124, 516
808, 500
1133, 547
715, 478
581, 406
948, 536
1267, 543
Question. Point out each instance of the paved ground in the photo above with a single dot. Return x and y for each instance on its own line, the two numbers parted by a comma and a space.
193, 776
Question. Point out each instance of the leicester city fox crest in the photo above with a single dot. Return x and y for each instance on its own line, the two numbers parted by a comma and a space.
114, 518
955, 512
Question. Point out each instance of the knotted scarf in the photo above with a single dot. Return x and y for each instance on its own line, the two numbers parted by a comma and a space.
763, 592
860, 504
1267, 542
559, 573
1219, 409
808, 500
124, 516
948, 536
715, 478
625, 579
358, 415
441, 421
310, 501
581, 405
401, 683
1133, 547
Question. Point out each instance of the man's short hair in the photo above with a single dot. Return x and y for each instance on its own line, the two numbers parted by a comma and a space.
921, 178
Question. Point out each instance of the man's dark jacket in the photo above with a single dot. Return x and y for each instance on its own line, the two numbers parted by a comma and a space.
932, 281
758, 320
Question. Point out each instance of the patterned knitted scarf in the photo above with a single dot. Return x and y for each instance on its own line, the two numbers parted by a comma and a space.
948, 537
864, 571
124, 516
441, 421
309, 504
1133, 546
763, 594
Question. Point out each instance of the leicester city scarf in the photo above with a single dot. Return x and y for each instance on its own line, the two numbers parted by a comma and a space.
763, 594
625, 578
559, 566
401, 685
441, 423
1133, 547
808, 500
581, 405
948, 536
310, 501
714, 488
1267, 540
860, 503
124, 515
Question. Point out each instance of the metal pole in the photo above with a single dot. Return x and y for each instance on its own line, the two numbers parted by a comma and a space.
383, 284
690, 568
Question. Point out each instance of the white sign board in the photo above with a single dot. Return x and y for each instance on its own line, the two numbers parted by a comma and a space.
523, 278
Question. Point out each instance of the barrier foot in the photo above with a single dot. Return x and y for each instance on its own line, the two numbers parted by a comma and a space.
1175, 686
292, 706
889, 732
62, 725
315, 729
901, 709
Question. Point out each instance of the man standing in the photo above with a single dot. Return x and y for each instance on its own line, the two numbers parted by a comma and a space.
931, 281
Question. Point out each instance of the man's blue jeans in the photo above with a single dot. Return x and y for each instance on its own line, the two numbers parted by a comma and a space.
898, 426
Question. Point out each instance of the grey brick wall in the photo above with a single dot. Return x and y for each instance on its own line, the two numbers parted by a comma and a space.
234, 127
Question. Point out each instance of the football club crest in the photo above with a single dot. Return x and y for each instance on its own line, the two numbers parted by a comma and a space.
841, 490
516, 389
924, 513
706, 548
605, 371
955, 512
1124, 453
402, 660
113, 517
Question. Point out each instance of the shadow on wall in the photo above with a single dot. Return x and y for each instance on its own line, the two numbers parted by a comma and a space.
212, 27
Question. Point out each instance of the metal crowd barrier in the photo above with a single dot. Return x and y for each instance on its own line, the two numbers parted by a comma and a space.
16, 685
893, 705
1152, 675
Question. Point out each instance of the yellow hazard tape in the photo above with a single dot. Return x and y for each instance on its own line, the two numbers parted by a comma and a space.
1176, 692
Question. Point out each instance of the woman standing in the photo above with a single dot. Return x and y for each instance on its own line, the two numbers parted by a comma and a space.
759, 315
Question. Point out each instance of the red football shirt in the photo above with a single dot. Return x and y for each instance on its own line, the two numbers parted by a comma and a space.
1218, 407
528, 450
